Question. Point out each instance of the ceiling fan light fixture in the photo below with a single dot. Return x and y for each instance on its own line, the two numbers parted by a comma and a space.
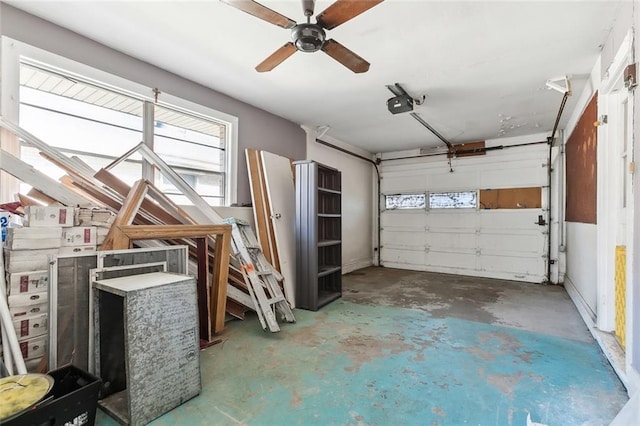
308, 37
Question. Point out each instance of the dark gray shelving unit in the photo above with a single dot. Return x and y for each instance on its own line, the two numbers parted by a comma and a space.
318, 235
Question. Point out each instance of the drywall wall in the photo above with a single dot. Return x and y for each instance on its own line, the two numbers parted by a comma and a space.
358, 202
257, 128
580, 278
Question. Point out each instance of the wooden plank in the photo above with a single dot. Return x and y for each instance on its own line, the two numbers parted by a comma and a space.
26, 200
281, 194
235, 309
468, 149
160, 232
51, 152
44, 198
29, 175
257, 199
175, 179
222, 232
126, 214
204, 301
123, 189
220, 279
273, 247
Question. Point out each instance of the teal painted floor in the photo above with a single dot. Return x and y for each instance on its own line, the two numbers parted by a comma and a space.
368, 364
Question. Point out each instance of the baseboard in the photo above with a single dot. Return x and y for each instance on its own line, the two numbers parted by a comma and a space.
588, 316
354, 266
606, 341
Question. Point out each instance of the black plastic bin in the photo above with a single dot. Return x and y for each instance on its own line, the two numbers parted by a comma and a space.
72, 400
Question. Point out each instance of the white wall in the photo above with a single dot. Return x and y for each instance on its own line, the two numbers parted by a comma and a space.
580, 279
580, 238
358, 227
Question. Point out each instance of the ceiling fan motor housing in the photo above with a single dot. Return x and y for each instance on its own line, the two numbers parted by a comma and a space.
308, 37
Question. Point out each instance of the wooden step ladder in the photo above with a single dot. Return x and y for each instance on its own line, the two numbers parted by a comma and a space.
262, 278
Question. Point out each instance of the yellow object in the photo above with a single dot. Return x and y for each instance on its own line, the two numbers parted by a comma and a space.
621, 294
17, 393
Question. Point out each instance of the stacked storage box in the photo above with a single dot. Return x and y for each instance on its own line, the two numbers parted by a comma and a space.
27, 253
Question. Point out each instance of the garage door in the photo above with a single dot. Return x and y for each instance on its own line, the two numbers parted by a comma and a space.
486, 218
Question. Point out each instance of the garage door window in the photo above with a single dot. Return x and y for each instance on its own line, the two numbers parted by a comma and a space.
453, 200
405, 201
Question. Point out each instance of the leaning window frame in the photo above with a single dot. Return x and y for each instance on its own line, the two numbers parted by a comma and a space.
13, 52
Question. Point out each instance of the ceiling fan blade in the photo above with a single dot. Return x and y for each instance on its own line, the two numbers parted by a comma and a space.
343, 10
259, 11
276, 58
345, 56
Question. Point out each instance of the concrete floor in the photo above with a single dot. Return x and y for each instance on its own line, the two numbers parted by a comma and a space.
405, 347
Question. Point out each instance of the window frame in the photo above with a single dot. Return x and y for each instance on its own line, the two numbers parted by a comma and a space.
14, 52
424, 194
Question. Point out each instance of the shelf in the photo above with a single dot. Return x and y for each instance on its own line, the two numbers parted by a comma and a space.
330, 191
318, 235
325, 297
327, 269
326, 243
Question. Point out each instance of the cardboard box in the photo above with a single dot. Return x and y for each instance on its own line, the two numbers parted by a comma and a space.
23, 311
28, 282
33, 238
31, 326
78, 249
33, 364
28, 260
28, 299
79, 236
33, 348
49, 216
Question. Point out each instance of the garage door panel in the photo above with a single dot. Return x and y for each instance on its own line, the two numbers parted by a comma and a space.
400, 183
447, 181
453, 220
466, 259
527, 175
396, 237
451, 240
520, 267
403, 219
403, 256
510, 219
504, 243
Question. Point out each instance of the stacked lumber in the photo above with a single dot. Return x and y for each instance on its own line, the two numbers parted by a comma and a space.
138, 213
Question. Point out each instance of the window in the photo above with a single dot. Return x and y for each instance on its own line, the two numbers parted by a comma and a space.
453, 200
195, 148
405, 201
95, 124
98, 123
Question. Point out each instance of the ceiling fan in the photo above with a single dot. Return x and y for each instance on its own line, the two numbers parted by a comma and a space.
308, 37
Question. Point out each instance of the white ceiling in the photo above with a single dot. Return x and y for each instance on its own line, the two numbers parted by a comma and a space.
482, 64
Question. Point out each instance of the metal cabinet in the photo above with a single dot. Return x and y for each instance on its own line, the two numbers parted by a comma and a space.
318, 233
146, 344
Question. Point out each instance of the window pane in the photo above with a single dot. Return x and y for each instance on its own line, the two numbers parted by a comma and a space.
194, 148
90, 122
453, 200
405, 201
208, 186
